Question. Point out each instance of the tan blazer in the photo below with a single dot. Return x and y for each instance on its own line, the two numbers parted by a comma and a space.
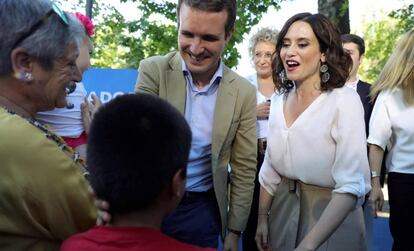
234, 131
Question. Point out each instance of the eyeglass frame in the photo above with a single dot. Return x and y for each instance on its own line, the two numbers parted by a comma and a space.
262, 55
55, 9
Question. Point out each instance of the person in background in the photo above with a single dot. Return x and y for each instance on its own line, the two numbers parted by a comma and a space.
72, 122
315, 174
44, 197
355, 47
122, 161
261, 48
392, 127
220, 107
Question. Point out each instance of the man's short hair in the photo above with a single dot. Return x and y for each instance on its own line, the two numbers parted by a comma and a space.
136, 145
352, 38
213, 6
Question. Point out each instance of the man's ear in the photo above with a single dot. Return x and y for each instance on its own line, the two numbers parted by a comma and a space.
21, 61
361, 58
228, 36
178, 183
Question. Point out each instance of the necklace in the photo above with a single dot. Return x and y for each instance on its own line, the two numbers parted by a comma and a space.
75, 156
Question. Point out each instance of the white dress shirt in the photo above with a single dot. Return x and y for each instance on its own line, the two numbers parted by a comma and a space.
353, 85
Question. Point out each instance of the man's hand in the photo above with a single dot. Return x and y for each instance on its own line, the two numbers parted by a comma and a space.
88, 110
231, 242
376, 197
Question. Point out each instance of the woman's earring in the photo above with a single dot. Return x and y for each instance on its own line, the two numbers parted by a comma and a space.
24, 76
325, 74
28, 76
282, 76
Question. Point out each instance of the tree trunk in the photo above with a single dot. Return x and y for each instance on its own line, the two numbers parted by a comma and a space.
89, 4
337, 11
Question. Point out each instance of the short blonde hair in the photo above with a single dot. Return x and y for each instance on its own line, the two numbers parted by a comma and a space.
266, 34
398, 72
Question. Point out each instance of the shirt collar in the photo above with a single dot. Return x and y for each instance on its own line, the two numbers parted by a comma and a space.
217, 74
353, 84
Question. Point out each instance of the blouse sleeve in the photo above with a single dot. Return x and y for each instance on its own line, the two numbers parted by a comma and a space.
380, 124
268, 177
351, 169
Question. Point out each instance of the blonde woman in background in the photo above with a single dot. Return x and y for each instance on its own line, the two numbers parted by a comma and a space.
262, 45
392, 126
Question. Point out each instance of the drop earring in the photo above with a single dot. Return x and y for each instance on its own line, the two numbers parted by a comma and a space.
325, 74
282, 76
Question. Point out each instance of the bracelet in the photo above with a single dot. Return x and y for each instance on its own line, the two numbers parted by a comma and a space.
238, 233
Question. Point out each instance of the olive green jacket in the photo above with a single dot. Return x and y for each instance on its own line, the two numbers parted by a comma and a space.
234, 131
44, 198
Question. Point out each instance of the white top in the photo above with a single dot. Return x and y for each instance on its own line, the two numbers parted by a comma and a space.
261, 124
66, 122
353, 85
392, 126
325, 146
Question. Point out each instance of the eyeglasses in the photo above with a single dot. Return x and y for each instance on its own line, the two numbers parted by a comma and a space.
266, 55
55, 9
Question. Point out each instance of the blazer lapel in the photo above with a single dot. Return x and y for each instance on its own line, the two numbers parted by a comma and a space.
224, 111
176, 86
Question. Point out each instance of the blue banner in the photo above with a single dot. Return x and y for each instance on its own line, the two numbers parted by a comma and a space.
106, 84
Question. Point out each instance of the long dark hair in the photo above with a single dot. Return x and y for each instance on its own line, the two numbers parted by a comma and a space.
329, 38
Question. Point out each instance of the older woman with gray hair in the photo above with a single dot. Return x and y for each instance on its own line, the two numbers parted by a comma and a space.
261, 48
44, 197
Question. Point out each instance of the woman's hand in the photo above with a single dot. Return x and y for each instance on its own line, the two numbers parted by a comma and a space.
262, 233
376, 197
103, 216
262, 110
89, 109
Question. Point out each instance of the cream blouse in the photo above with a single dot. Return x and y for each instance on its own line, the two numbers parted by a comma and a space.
392, 126
325, 146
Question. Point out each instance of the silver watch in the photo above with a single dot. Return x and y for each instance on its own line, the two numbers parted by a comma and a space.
374, 174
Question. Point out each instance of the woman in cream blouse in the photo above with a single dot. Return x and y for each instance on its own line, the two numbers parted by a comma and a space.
392, 127
315, 173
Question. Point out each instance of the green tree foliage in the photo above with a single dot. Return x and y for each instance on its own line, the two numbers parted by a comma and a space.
405, 16
337, 11
123, 44
380, 39
160, 38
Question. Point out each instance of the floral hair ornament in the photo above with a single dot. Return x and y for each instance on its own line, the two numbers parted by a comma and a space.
87, 23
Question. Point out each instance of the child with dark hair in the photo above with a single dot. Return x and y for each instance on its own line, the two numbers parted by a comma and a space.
137, 155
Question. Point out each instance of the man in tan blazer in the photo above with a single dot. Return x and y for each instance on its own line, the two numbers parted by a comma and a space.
219, 106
